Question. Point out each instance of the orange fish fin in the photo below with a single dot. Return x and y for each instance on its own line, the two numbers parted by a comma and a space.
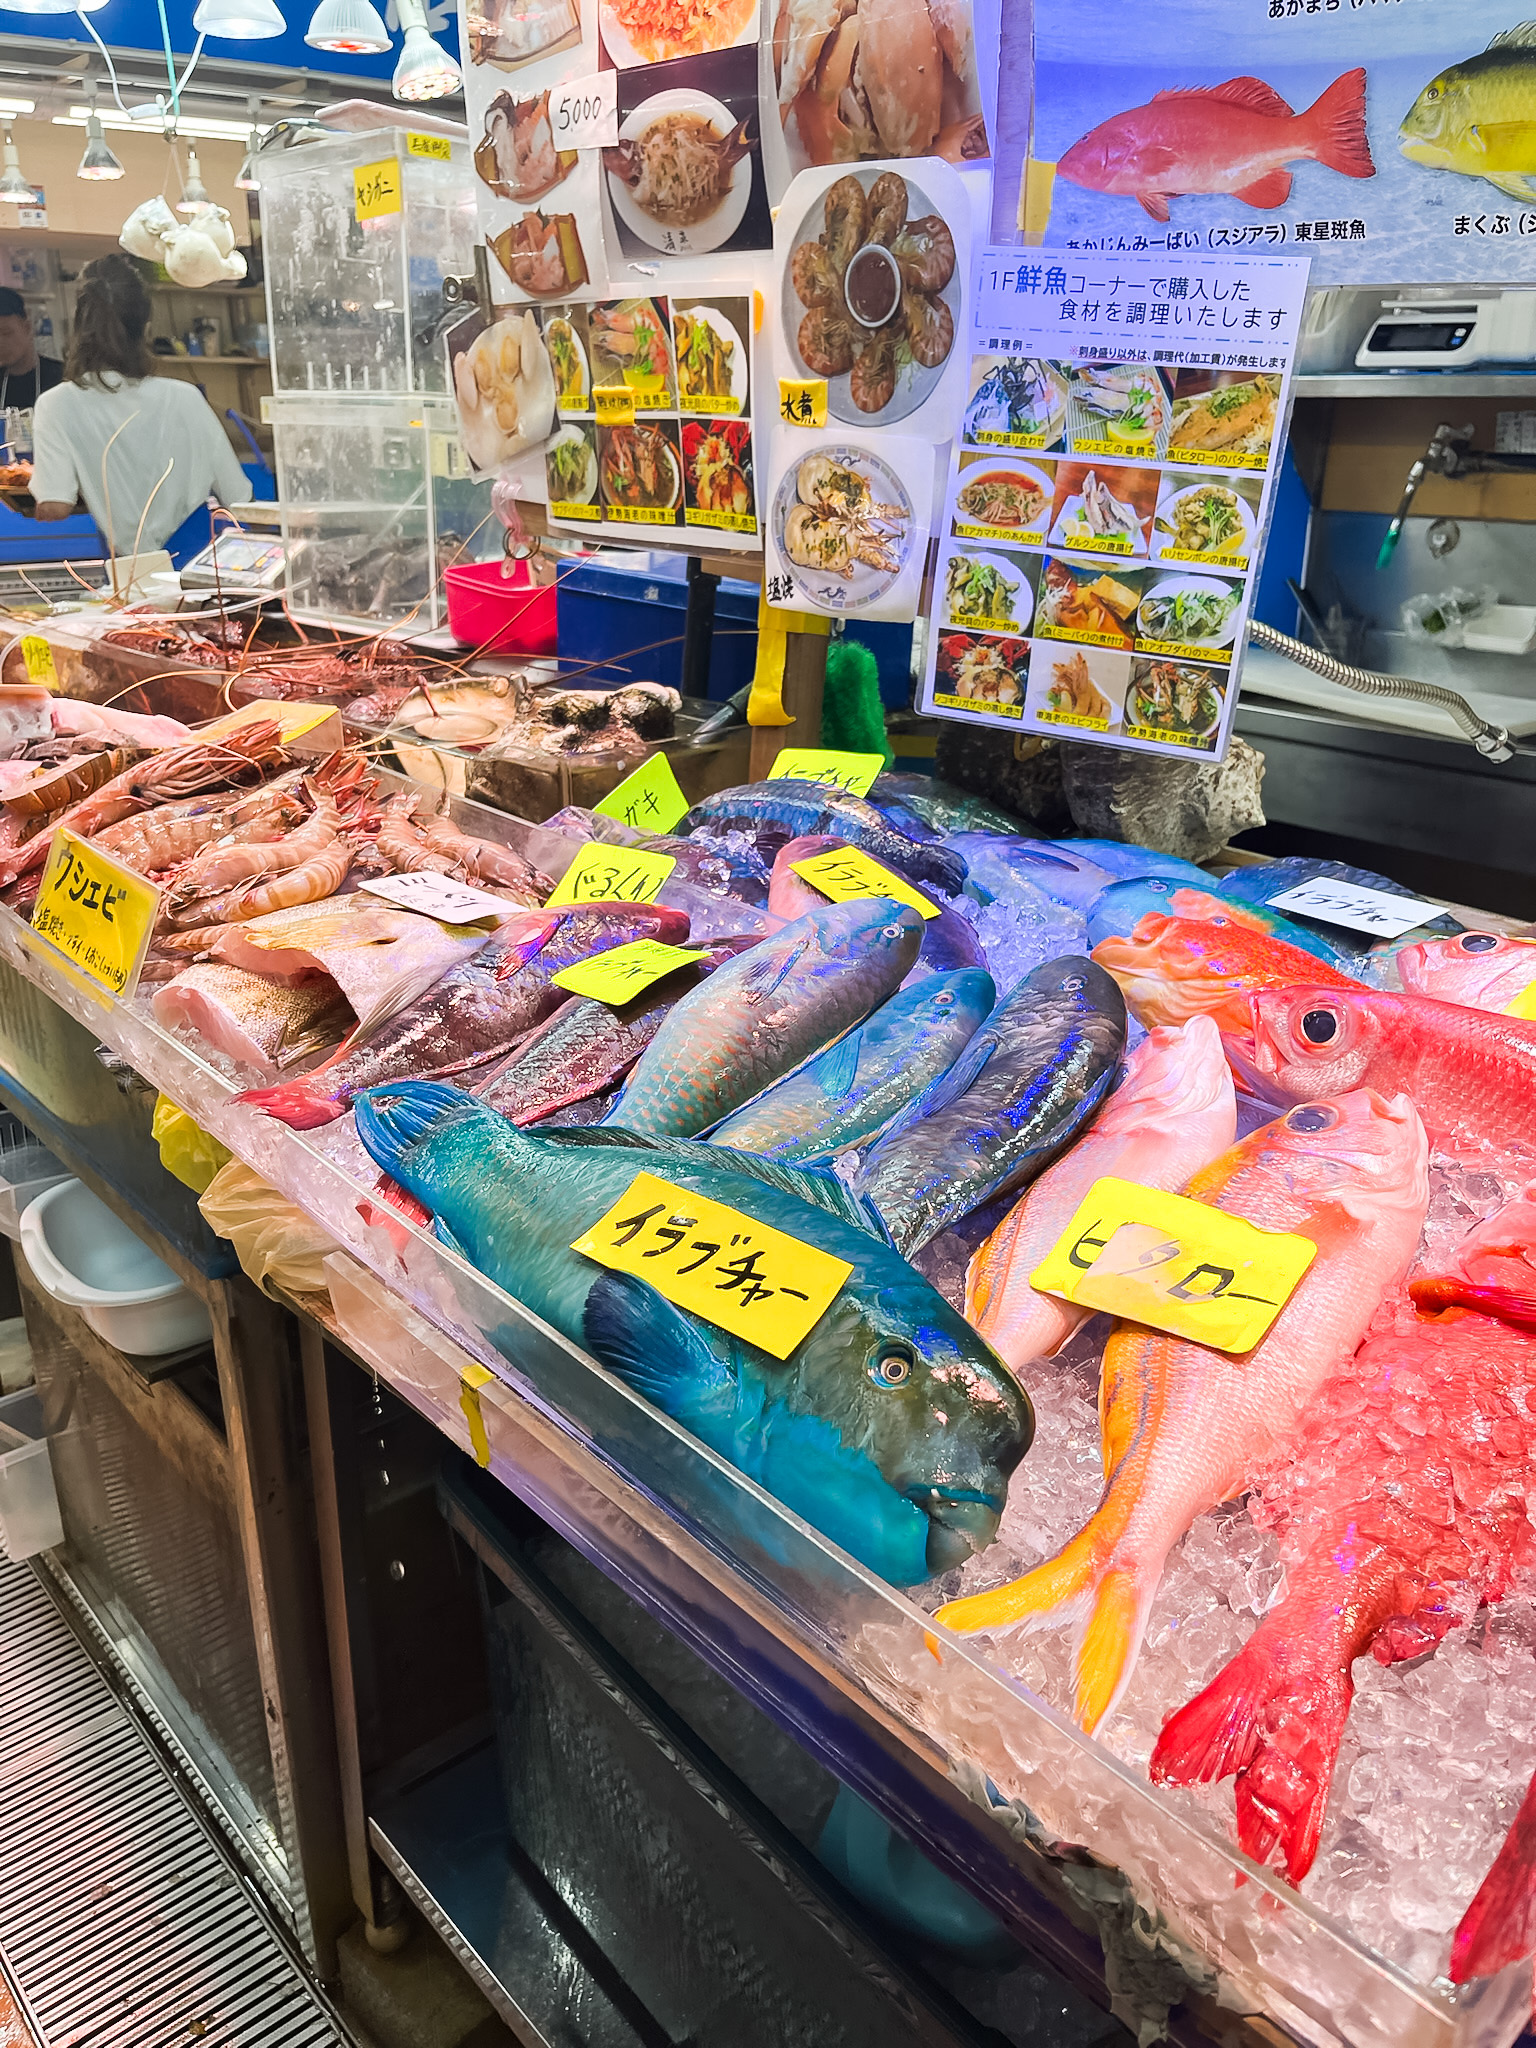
1053, 1588
1251, 93
1155, 203
1335, 125
1518, 1310
1499, 1926
1107, 1651
1273, 189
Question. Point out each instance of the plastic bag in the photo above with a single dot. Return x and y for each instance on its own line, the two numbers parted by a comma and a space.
186, 1149
1441, 616
274, 1240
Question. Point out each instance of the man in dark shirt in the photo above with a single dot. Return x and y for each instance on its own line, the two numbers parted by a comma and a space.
24, 374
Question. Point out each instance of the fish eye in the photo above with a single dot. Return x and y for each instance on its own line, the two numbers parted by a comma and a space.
1478, 942
1319, 1027
1312, 1116
944, 998
891, 931
891, 1366
1073, 983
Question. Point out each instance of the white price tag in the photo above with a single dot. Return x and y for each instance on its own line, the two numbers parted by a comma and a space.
438, 896
585, 113
1357, 909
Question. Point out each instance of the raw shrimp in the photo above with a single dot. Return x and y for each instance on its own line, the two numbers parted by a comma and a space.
315, 879
173, 833
484, 861
243, 856
402, 843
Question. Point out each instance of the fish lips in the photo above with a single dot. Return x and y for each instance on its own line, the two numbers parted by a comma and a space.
959, 1524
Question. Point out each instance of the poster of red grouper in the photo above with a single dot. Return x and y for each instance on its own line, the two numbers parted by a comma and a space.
1389, 140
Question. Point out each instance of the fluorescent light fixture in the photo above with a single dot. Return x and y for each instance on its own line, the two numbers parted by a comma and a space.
53, 6
98, 161
194, 197
351, 26
13, 186
18, 106
425, 70
242, 21
192, 126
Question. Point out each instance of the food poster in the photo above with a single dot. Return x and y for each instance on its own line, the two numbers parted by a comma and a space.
654, 397
503, 387
685, 178
1109, 493
847, 524
1387, 139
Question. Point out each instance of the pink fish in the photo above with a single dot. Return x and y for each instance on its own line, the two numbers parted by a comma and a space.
1237, 138
1483, 970
789, 894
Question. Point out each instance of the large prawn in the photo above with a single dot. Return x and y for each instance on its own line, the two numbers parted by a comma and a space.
316, 846
247, 853
482, 860
171, 834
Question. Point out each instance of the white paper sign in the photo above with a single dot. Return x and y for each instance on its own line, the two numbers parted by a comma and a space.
585, 113
438, 896
1359, 910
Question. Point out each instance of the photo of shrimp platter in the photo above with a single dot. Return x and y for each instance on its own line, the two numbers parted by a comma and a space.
870, 292
685, 177
1083, 687
845, 534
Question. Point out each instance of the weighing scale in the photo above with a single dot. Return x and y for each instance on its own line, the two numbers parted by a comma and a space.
238, 562
1451, 334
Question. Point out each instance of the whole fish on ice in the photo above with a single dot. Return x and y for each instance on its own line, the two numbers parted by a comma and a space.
1483, 970
1175, 968
1128, 862
1002, 870
1117, 912
1184, 1426
773, 812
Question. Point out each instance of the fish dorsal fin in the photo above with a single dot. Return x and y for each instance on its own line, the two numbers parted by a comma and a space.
1251, 93
593, 1134
1521, 37
814, 1184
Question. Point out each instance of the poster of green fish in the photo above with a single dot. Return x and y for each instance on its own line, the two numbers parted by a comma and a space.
1386, 139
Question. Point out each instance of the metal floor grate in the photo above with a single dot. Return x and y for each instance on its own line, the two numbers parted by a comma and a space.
122, 1924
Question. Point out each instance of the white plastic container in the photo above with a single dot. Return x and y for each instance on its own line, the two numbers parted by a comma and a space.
84, 1257
27, 1169
29, 1502
1501, 629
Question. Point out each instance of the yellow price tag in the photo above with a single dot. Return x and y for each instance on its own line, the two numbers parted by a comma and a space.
38, 656
98, 913
803, 401
853, 772
741, 1275
611, 874
614, 405
437, 146
1524, 1004
471, 1380
650, 799
376, 189
291, 720
623, 972
1179, 1265
849, 875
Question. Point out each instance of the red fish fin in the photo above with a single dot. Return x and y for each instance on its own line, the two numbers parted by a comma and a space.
1218, 1732
295, 1103
1273, 189
1499, 1926
1335, 126
1518, 1310
1155, 203
1107, 1652
401, 1198
1251, 93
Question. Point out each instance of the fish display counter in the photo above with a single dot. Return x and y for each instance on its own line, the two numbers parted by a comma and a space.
832, 1504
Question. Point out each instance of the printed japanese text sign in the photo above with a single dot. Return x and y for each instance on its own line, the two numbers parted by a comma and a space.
743, 1276
1358, 909
614, 405
849, 875
853, 772
649, 800
611, 874
1174, 1264
438, 896
98, 913
621, 973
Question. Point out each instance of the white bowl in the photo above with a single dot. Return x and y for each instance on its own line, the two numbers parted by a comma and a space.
82, 1255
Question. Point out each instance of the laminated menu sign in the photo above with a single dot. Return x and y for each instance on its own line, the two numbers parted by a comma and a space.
1109, 494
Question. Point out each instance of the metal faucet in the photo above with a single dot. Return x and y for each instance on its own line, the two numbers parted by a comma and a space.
1449, 455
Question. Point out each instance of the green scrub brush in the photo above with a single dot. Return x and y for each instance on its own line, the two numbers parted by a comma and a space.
852, 717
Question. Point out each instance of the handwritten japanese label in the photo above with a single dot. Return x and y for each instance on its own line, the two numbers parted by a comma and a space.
849, 876
614, 405
584, 114
853, 772
743, 1276
436, 146
803, 401
376, 189
96, 911
1358, 909
623, 972
612, 874
650, 799
38, 656
1175, 1264
436, 896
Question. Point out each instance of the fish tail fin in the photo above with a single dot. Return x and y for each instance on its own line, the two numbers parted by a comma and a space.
1499, 1926
1519, 1310
1336, 127
1274, 1718
396, 1114
302, 1105
1056, 1590
1110, 1641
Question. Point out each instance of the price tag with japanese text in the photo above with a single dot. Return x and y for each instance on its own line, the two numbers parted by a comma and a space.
1375, 911
376, 189
318, 724
623, 972
853, 772
436, 146
650, 799
611, 874
741, 1275
1175, 1264
98, 913
614, 405
803, 401
1524, 1005
38, 656
437, 896
848, 875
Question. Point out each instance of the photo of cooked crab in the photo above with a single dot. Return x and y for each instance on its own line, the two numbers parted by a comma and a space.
516, 157
871, 295
542, 254
867, 79
844, 522
640, 470
717, 473
1076, 686
1178, 698
630, 344
509, 33
975, 672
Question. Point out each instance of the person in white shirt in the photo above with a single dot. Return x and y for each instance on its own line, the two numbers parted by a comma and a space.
142, 451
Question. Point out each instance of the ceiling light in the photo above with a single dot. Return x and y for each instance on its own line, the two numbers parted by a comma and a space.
98, 160
350, 26
13, 186
194, 195
242, 21
425, 70
18, 106
191, 127
54, 6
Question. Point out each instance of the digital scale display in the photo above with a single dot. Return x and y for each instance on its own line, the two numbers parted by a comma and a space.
244, 558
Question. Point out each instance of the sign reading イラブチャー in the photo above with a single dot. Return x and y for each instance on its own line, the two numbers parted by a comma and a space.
1393, 141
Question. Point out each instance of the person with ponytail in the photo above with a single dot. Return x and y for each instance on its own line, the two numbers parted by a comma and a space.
144, 452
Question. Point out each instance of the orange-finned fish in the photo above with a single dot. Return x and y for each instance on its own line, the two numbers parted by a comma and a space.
1173, 968
1172, 1114
1401, 1507
1183, 1426
1237, 138
1483, 970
